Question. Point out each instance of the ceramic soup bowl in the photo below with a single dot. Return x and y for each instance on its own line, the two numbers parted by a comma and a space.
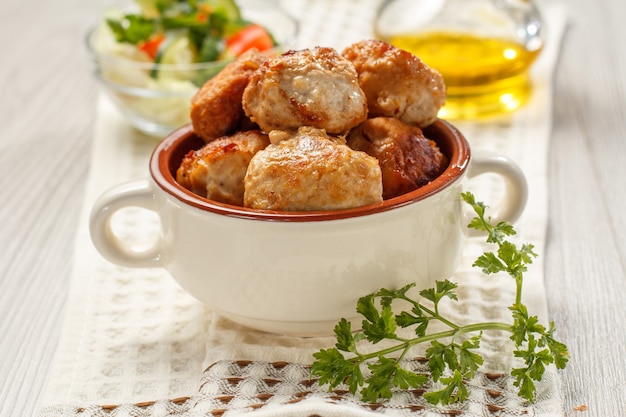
298, 273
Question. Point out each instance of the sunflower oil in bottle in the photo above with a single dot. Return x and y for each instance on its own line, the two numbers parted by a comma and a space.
484, 76
483, 49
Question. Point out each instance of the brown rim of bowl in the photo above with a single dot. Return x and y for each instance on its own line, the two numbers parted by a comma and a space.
169, 153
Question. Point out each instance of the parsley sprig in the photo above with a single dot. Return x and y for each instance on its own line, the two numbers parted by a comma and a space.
452, 356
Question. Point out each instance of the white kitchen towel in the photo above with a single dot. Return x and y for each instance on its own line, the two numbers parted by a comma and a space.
134, 343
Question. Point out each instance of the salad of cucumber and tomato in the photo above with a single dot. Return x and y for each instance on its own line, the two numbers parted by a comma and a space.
188, 31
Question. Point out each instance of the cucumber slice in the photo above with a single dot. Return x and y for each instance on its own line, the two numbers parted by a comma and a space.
229, 6
178, 51
175, 51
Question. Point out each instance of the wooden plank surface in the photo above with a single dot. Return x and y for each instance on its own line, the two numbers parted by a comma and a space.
47, 112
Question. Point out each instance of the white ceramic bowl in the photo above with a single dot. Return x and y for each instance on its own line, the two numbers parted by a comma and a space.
300, 272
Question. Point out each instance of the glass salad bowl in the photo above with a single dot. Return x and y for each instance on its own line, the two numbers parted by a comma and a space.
152, 82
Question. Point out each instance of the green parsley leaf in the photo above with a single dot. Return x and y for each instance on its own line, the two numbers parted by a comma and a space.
454, 391
365, 307
443, 289
557, 349
333, 369
439, 356
384, 327
470, 361
379, 383
489, 263
406, 319
525, 383
345, 338
387, 296
405, 379
132, 28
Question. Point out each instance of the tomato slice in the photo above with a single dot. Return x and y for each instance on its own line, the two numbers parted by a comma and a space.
252, 36
151, 46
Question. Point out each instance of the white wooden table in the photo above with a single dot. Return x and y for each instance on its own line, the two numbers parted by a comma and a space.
47, 112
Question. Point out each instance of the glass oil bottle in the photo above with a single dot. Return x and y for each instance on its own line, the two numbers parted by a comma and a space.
483, 48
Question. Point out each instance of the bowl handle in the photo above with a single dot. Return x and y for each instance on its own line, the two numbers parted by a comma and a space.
513, 202
132, 194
